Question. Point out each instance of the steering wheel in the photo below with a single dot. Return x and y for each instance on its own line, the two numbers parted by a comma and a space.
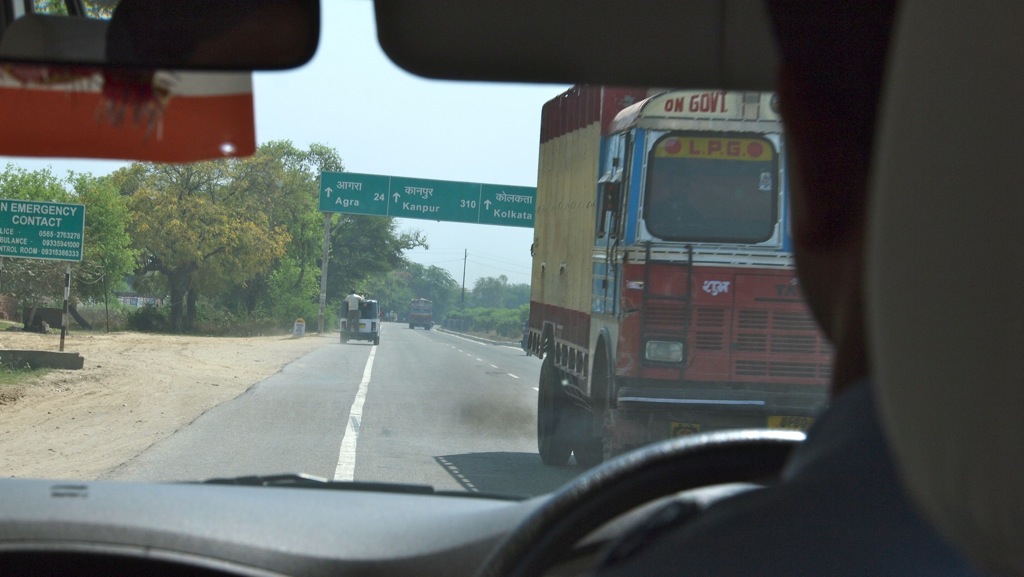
628, 481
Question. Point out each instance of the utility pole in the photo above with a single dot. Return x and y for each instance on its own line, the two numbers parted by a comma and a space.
325, 255
464, 257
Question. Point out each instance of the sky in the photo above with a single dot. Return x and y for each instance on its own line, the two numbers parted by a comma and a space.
382, 120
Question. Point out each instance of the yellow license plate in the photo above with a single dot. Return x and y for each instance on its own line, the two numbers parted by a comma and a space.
789, 422
683, 429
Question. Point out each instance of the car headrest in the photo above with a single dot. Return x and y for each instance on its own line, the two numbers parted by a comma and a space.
946, 271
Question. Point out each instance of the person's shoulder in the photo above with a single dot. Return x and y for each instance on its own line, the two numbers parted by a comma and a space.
838, 511
728, 538
800, 527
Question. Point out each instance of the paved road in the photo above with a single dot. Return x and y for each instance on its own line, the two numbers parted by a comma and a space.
423, 407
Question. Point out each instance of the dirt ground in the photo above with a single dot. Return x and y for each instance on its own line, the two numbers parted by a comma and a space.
134, 390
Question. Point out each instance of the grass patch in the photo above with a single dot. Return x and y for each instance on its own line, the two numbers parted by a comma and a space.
13, 382
489, 335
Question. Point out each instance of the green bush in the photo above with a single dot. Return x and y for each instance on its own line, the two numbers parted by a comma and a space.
290, 301
502, 322
116, 315
243, 327
148, 319
215, 320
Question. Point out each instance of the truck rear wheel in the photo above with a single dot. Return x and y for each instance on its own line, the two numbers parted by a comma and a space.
554, 426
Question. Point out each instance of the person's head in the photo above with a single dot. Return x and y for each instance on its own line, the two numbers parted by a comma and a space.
832, 64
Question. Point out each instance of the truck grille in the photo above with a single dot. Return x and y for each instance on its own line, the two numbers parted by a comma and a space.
707, 317
764, 343
762, 320
783, 370
763, 331
794, 343
709, 341
751, 342
710, 329
665, 315
756, 331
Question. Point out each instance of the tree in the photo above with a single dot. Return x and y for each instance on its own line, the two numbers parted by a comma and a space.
32, 282
288, 176
391, 290
411, 280
439, 284
93, 8
496, 292
197, 230
517, 295
363, 248
107, 253
489, 292
247, 233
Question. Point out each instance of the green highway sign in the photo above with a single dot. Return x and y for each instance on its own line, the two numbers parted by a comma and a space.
44, 230
446, 200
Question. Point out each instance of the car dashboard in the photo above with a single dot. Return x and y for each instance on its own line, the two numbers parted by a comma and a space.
232, 527
124, 528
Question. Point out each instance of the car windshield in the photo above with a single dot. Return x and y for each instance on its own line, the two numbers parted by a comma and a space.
480, 287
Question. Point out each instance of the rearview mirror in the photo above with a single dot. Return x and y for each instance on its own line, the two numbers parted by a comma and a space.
165, 34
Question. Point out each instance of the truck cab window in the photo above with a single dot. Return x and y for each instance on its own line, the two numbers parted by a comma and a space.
712, 188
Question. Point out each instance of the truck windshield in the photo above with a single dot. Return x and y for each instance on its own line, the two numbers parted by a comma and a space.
712, 188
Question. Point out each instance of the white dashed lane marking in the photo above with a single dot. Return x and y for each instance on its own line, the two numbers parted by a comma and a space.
346, 468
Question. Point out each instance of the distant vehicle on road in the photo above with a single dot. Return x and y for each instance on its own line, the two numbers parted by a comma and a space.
368, 328
421, 313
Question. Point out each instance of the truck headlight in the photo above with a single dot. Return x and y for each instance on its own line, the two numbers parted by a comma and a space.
664, 351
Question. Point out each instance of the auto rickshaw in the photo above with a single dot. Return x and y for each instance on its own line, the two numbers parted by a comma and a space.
368, 327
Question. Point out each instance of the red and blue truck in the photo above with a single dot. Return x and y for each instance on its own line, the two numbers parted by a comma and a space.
664, 299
